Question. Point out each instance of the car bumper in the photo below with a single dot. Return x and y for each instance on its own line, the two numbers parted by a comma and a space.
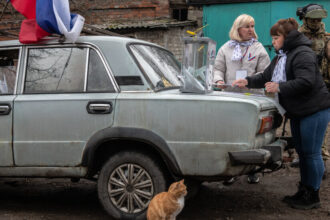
269, 154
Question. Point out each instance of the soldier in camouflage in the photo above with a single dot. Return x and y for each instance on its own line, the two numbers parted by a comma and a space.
314, 29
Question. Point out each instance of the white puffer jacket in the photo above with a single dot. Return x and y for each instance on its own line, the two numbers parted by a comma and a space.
256, 59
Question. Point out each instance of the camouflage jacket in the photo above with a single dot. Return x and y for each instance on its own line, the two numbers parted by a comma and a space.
321, 46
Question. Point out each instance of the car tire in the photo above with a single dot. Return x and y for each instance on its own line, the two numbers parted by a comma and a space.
127, 183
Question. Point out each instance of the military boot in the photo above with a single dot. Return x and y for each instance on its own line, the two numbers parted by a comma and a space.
309, 200
296, 196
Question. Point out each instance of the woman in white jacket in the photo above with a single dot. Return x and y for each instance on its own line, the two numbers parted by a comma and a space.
241, 56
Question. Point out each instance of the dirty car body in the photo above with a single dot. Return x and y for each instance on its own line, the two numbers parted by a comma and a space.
110, 109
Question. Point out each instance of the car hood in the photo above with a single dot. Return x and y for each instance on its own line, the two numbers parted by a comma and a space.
263, 102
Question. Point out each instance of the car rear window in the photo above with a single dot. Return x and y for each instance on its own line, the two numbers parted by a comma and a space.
98, 78
55, 70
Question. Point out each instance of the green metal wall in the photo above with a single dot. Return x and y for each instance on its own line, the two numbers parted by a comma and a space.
220, 18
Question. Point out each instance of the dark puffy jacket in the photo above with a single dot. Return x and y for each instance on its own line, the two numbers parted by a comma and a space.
304, 92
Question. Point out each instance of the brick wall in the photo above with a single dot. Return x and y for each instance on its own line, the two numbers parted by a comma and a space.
100, 11
170, 38
178, 2
196, 14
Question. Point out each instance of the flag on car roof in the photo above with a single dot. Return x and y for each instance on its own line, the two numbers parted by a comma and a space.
44, 17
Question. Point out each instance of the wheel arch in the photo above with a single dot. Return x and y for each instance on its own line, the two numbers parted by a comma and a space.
109, 141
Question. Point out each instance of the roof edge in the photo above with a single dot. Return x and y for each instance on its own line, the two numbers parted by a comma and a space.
213, 2
152, 25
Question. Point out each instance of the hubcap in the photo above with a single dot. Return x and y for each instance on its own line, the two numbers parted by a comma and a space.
130, 188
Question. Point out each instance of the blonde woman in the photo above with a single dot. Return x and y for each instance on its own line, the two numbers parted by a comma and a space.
242, 55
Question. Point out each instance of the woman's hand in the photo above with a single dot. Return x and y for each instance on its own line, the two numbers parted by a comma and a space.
241, 83
272, 87
220, 84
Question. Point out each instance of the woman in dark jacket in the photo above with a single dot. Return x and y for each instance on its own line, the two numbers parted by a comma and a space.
294, 77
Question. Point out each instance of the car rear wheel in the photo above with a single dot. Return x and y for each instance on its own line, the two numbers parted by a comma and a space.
127, 183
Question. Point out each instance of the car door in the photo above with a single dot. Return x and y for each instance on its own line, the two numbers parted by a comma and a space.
67, 96
8, 71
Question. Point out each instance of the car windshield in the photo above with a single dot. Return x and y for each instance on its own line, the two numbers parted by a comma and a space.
161, 67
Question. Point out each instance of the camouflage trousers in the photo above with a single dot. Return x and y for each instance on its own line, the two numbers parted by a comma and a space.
325, 152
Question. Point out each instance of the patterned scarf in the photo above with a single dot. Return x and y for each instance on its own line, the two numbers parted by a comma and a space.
279, 74
237, 54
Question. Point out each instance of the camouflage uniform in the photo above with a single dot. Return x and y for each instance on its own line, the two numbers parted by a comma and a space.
326, 77
321, 46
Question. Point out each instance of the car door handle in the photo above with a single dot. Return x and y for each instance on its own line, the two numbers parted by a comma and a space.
99, 107
5, 109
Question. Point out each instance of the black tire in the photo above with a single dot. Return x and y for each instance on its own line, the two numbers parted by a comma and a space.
129, 201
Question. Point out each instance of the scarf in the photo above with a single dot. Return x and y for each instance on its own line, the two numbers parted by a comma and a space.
237, 54
279, 74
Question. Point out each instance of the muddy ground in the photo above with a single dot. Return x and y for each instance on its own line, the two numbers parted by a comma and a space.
61, 199
52, 199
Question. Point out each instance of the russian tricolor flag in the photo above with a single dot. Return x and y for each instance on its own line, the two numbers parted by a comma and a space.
44, 17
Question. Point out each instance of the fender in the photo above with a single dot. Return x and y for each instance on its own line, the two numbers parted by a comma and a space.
124, 133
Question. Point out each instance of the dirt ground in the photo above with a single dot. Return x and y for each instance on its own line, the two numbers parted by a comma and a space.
52, 199
39, 199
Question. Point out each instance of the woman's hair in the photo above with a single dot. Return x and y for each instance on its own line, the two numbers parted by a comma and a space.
239, 22
284, 26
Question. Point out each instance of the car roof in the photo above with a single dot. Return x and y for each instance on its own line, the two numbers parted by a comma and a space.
81, 39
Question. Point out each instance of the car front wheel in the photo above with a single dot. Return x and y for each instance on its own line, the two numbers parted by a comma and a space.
127, 183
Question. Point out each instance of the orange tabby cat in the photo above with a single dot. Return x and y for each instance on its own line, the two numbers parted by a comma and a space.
167, 205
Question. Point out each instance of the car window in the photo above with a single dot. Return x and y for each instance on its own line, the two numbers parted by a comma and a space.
8, 71
125, 70
160, 65
55, 70
98, 78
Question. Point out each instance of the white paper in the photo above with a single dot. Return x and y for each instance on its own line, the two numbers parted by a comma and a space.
241, 74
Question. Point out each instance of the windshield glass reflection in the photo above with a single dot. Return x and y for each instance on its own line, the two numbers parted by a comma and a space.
161, 67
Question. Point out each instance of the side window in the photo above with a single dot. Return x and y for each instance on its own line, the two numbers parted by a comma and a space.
8, 71
55, 70
98, 78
